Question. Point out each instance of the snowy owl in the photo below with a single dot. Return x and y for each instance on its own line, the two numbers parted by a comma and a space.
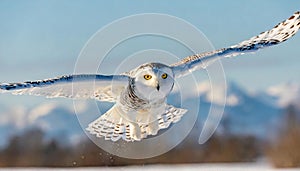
139, 95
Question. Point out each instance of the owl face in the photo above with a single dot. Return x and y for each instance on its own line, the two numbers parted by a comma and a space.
154, 82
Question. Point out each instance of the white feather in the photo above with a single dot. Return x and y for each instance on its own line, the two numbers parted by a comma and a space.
115, 124
100, 87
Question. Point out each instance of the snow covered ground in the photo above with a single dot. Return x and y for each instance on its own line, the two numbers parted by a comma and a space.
185, 167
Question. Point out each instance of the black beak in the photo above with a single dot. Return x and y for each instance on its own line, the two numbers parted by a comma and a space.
157, 87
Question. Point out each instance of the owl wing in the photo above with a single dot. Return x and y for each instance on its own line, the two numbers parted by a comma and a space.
99, 87
280, 33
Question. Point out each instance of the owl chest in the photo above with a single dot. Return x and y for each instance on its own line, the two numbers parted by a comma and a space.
131, 102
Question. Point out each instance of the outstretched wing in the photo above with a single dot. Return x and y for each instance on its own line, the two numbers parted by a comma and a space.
278, 34
99, 87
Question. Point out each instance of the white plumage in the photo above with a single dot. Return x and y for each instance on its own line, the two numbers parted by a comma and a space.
140, 95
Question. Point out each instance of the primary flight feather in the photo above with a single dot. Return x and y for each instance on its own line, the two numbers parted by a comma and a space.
140, 95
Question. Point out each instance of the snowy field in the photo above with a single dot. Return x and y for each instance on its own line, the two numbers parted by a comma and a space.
186, 167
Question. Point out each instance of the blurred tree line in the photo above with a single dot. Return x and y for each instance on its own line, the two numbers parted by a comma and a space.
285, 151
31, 149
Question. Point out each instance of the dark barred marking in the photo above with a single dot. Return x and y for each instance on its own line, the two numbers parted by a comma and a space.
292, 17
103, 132
130, 100
292, 27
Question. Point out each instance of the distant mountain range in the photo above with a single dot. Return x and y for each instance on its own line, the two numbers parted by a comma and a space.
246, 113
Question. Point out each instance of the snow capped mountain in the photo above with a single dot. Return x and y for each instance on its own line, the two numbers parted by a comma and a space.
57, 121
234, 94
245, 113
251, 115
285, 94
278, 96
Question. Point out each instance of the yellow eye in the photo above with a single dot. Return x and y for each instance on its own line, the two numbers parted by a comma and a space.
147, 77
164, 76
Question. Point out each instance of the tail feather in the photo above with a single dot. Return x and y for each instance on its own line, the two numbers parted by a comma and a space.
172, 115
113, 126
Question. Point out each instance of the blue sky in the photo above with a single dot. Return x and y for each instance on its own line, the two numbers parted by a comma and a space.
43, 38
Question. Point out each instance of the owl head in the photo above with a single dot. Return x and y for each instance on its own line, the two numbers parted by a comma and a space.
153, 81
